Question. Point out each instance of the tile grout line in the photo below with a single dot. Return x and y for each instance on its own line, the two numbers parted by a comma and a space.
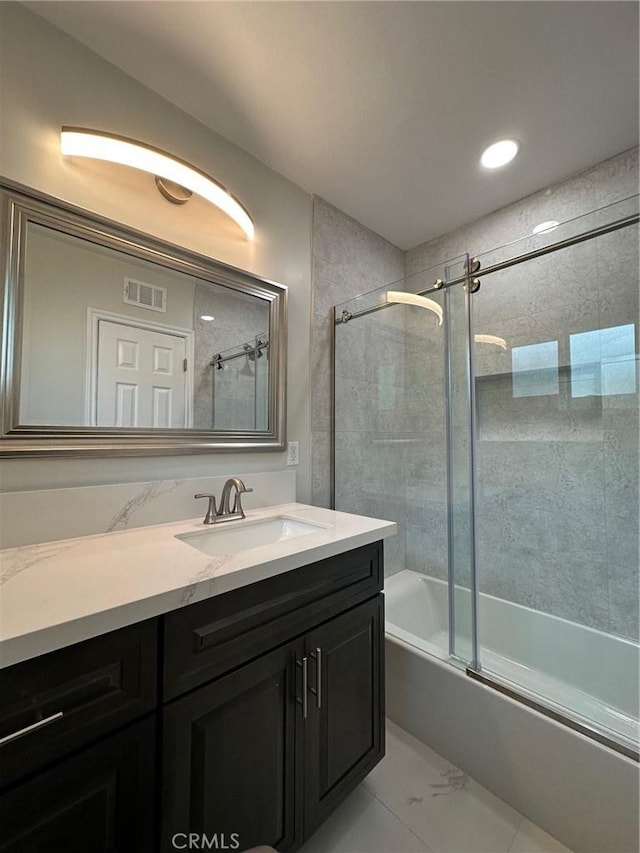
515, 833
391, 811
423, 842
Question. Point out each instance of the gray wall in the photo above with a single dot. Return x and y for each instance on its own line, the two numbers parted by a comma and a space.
348, 259
47, 80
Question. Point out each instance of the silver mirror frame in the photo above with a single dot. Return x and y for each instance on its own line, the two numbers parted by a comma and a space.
20, 205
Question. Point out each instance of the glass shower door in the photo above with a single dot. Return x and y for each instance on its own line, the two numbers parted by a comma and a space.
460, 473
390, 446
555, 349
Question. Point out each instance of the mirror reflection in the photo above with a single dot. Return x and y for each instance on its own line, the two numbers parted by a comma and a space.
113, 340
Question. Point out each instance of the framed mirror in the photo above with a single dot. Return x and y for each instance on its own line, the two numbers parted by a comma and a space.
117, 343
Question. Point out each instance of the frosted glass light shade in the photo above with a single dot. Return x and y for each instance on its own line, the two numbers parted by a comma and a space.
80, 142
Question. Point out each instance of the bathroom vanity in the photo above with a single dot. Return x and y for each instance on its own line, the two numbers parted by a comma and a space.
246, 711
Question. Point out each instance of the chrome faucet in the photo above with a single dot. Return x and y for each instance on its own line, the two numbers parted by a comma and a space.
224, 512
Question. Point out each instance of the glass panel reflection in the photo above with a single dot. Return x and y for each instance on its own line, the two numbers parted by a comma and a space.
603, 362
535, 369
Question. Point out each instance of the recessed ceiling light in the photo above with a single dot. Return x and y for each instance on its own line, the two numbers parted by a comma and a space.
500, 153
545, 226
207, 318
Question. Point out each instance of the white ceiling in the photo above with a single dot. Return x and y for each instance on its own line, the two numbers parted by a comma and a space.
383, 108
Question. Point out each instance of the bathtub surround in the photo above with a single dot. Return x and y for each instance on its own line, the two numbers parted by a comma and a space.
557, 510
557, 530
573, 467
416, 613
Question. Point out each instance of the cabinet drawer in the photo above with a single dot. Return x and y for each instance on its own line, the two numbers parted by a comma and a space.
100, 800
60, 701
212, 637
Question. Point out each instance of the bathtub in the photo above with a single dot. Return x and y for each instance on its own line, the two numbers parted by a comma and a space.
580, 791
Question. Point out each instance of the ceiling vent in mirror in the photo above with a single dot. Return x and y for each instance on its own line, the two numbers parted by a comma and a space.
145, 295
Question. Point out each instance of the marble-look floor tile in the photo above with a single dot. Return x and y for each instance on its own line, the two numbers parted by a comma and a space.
362, 824
446, 809
531, 839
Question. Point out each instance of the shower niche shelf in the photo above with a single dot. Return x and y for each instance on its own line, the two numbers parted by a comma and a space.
506, 412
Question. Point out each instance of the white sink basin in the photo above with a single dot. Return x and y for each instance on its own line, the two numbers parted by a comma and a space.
230, 537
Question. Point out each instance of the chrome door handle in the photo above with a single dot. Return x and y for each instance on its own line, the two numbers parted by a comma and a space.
32, 728
304, 664
317, 656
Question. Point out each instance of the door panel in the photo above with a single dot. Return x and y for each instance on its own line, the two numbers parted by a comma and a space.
230, 756
344, 736
141, 379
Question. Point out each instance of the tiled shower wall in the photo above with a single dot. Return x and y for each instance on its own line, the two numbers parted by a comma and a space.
348, 259
372, 423
558, 508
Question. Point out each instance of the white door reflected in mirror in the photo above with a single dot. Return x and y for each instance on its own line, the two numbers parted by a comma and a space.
141, 377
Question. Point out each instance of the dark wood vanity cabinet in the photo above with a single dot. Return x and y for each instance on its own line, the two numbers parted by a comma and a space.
78, 747
253, 756
282, 712
268, 711
100, 799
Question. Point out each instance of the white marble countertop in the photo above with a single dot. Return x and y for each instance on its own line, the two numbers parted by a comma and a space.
58, 593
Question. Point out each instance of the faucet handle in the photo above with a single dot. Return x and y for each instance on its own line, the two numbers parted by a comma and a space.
211, 509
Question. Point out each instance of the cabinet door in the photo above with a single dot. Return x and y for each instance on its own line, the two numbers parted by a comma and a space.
99, 800
344, 732
231, 753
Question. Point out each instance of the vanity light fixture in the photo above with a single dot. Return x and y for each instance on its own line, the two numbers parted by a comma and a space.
500, 153
545, 226
207, 318
490, 339
415, 299
175, 179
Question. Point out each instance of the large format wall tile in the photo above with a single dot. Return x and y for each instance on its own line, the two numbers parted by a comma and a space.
617, 178
349, 259
624, 594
